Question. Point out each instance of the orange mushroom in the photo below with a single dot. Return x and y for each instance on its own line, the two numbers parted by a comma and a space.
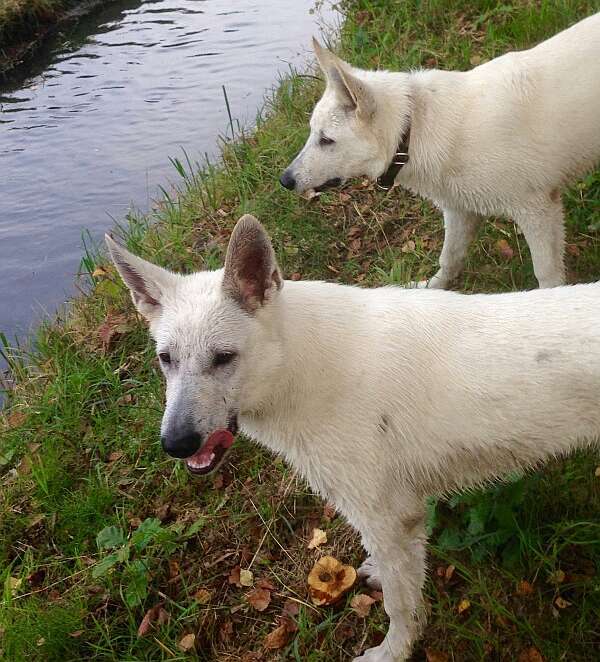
329, 580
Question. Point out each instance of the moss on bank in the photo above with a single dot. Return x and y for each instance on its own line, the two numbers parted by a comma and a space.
79, 450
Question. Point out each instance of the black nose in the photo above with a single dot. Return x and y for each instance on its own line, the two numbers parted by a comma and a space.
287, 180
181, 445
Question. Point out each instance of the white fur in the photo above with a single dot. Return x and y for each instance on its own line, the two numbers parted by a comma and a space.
501, 139
381, 397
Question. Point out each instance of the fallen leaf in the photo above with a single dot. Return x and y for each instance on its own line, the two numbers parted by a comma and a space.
433, 655
319, 537
202, 596
505, 249
154, 614
278, 638
361, 604
449, 572
561, 603
234, 576
99, 272
76, 634
329, 511
246, 578
15, 419
291, 608
187, 643
173, 568
409, 246
115, 455
475, 60
259, 598
524, 588
463, 605
265, 583
329, 580
530, 654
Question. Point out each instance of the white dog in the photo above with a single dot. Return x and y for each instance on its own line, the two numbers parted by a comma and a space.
501, 139
378, 397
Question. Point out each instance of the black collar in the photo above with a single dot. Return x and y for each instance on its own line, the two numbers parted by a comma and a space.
400, 159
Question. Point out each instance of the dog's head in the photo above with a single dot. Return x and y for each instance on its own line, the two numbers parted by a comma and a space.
347, 131
214, 340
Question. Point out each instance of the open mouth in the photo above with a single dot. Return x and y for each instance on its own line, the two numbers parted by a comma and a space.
212, 452
330, 183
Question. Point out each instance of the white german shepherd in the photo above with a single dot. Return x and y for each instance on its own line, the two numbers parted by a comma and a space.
501, 139
378, 397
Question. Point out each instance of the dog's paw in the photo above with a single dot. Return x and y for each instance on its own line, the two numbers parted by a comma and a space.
369, 573
378, 654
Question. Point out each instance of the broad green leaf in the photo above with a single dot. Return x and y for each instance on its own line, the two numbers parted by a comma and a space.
145, 533
104, 565
110, 537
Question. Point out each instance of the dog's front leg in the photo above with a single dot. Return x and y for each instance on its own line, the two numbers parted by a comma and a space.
398, 559
460, 230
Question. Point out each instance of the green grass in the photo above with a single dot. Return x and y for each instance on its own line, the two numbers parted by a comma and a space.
80, 453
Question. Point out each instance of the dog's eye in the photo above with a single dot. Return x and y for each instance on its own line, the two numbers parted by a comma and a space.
323, 140
223, 358
164, 357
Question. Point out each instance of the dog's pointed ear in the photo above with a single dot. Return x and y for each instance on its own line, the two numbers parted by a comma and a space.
351, 90
147, 283
251, 275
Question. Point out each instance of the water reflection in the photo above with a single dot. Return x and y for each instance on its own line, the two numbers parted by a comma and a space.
91, 126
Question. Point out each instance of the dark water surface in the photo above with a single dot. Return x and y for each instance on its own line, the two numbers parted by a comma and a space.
87, 132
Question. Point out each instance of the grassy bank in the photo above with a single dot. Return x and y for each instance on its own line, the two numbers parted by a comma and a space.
97, 526
24, 23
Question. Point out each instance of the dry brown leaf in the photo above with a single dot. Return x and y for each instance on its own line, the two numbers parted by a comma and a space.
202, 596
234, 576
246, 578
524, 588
99, 272
156, 613
259, 598
409, 246
329, 580
115, 455
463, 606
291, 608
361, 604
561, 603
278, 638
530, 654
505, 249
433, 655
263, 582
15, 419
449, 572
187, 642
319, 537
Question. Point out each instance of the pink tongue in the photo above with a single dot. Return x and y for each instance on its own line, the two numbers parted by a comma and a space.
222, 438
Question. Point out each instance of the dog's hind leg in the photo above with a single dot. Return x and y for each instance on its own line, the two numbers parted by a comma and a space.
460, 230
544, 231
398, 554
